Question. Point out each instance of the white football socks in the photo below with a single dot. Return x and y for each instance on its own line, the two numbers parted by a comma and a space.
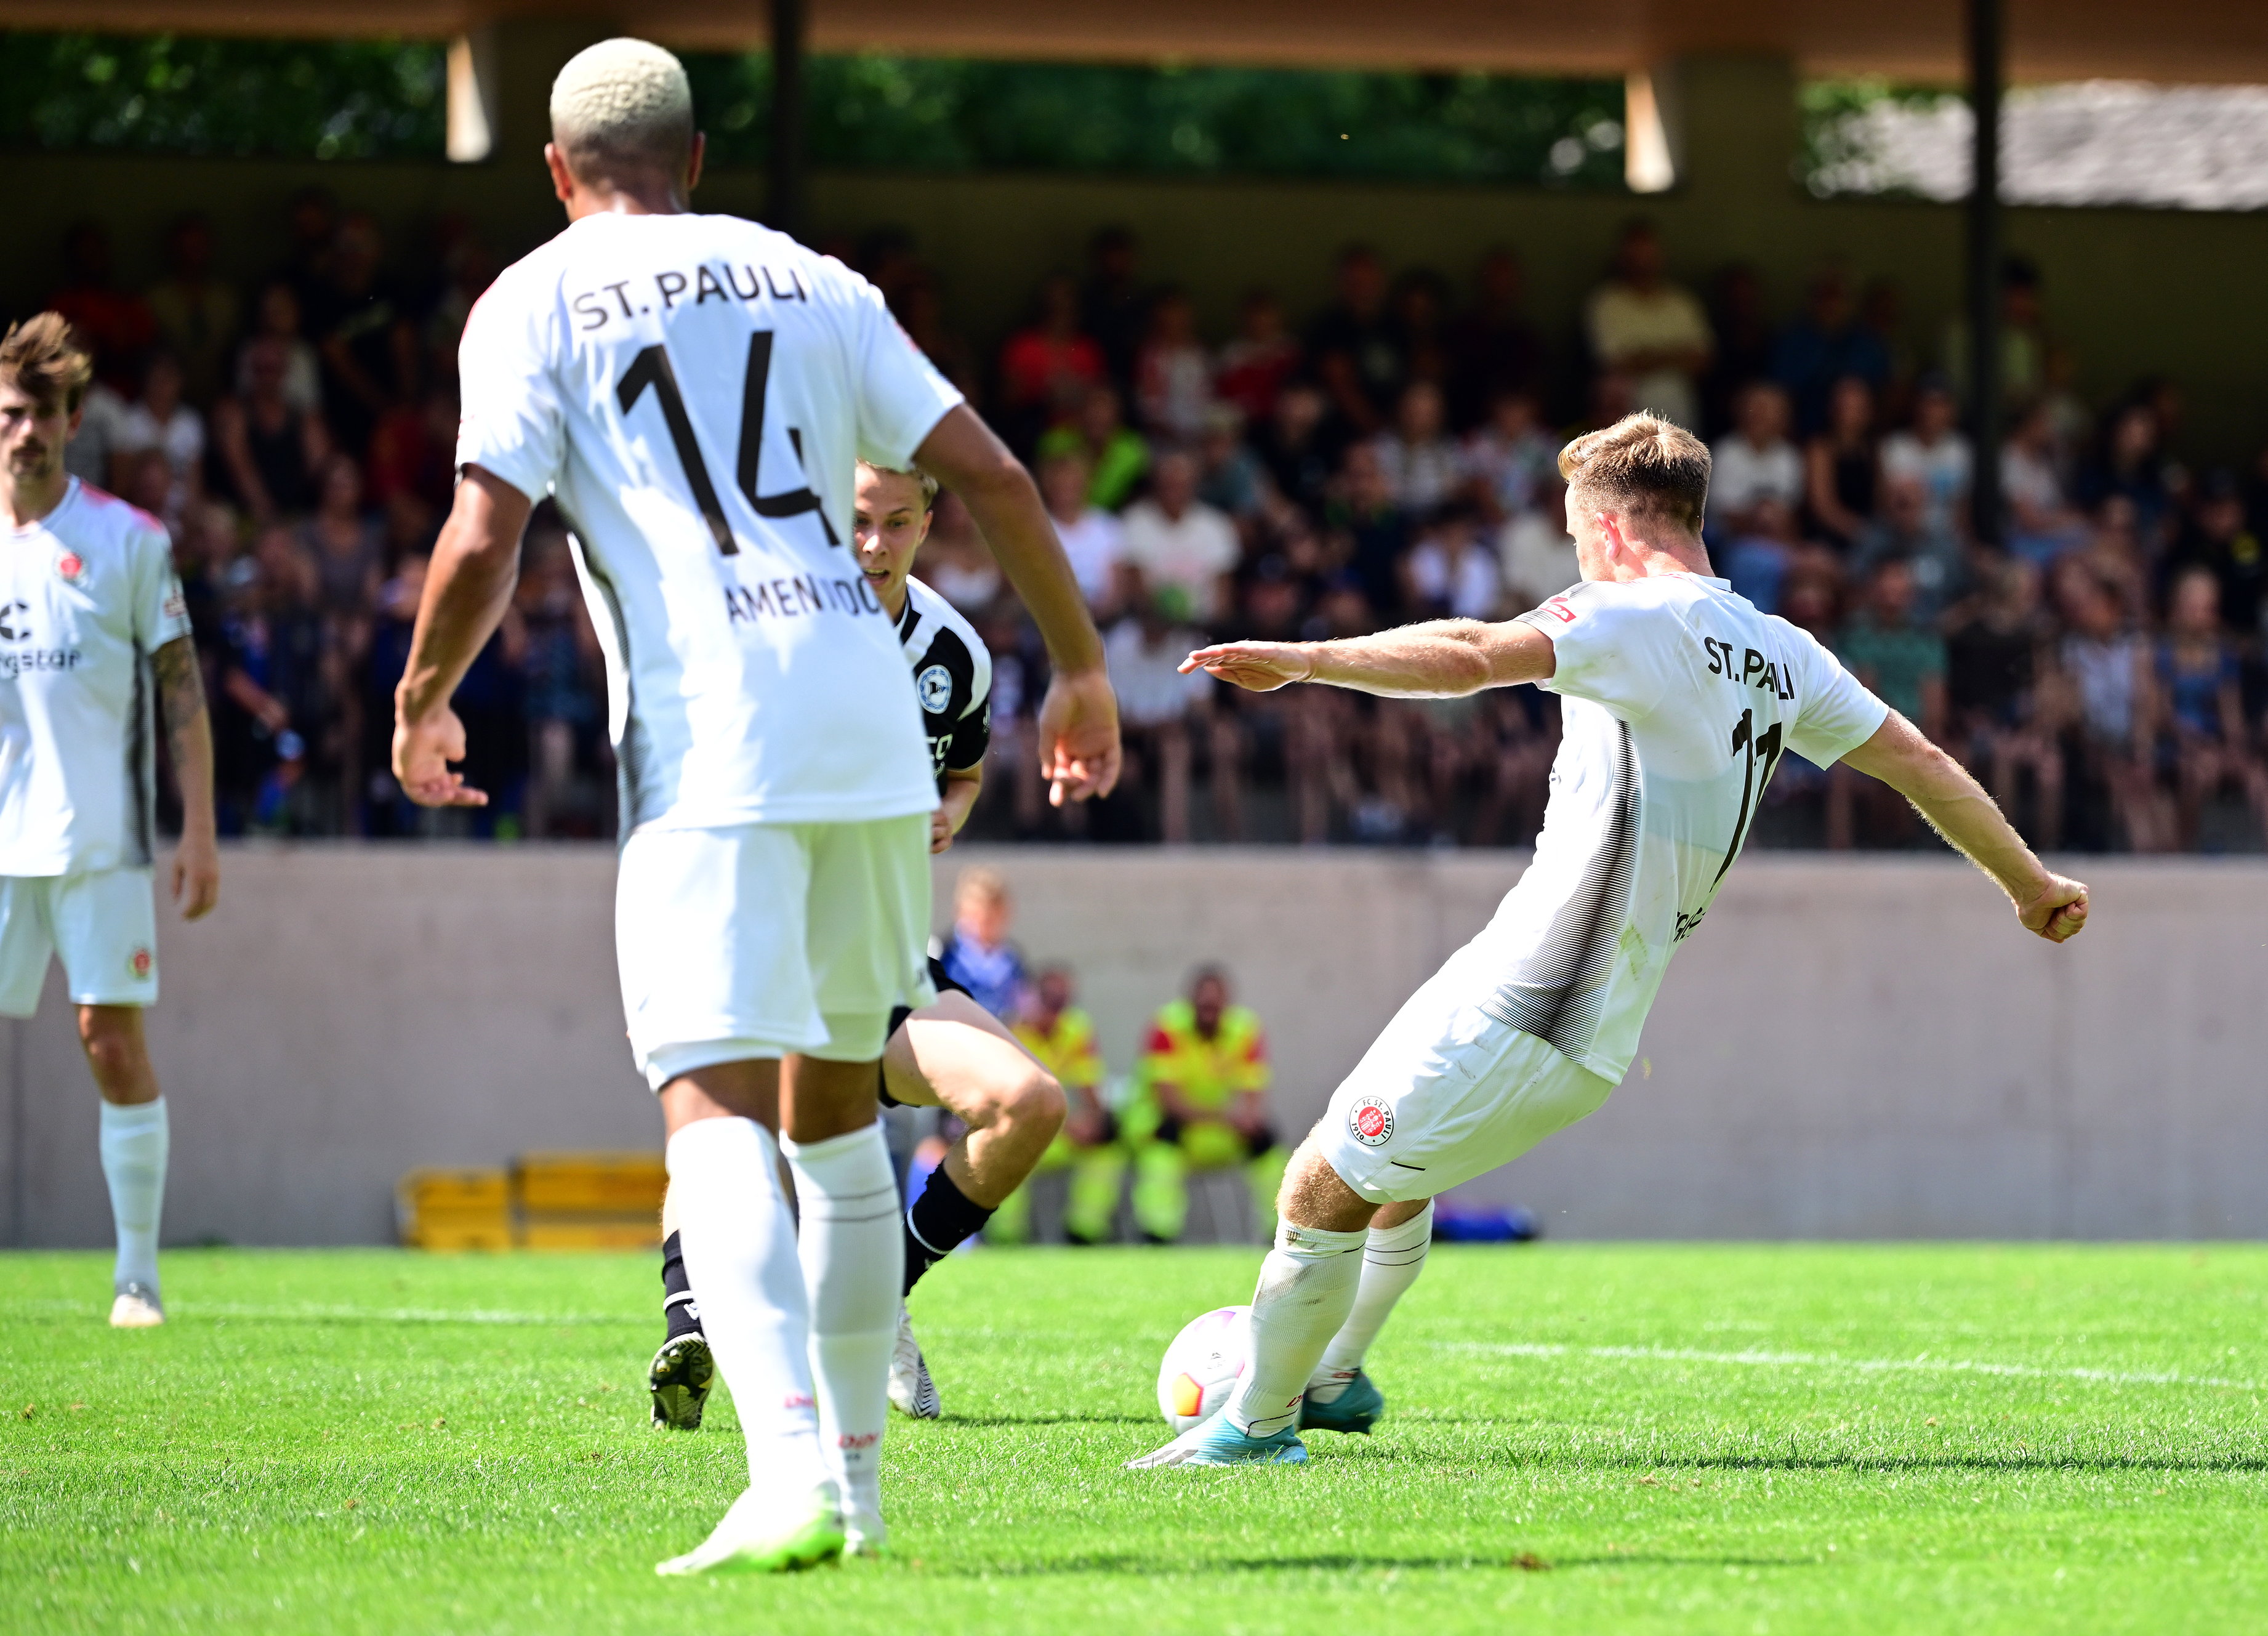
135, 1143
1392, 1258
739, 1240
1307, 1288
854, 1264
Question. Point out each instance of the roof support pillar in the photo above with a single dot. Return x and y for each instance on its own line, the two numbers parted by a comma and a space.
786, 195
1987, 49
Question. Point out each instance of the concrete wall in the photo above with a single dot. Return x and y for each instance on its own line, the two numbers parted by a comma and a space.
1852, 1049
2136, 291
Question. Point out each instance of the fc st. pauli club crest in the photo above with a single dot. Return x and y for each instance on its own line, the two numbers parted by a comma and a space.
1372, 1122
72, 566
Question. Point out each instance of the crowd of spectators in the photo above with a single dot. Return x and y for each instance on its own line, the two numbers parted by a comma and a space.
298, 436
1391, 458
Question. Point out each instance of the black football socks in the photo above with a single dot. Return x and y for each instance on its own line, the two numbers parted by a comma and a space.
940, 1221
677, 1306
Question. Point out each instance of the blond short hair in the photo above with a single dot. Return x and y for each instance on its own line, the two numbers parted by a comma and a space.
928, 483
1642, 464
982, 882
622, 102
47, 361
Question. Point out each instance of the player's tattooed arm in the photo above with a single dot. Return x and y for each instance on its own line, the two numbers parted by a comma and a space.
188, 745
1444, 658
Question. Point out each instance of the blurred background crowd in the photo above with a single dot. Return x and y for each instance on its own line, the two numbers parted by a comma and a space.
1387, 458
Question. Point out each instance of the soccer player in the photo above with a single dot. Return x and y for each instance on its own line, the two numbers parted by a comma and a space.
92, 614
1680, 700
694, 391
951, 1053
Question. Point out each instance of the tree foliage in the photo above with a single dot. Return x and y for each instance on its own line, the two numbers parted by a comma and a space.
362, 99
932, 113
164, 93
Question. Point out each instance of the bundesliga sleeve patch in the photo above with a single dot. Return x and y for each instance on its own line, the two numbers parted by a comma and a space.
1372, 1122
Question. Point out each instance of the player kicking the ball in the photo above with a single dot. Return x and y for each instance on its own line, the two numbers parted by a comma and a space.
1680, 700
694, 391
92, 613
951, 1053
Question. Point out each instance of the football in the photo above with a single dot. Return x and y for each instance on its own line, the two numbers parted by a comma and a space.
1206, 1359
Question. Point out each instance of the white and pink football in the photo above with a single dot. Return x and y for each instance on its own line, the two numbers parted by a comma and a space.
1206, 1360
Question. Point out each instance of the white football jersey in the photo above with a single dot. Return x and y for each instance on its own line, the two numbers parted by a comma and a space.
89, 595
695, 390
1680, 699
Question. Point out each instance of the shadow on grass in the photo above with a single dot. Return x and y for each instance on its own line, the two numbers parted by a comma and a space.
2028, 1460
1151, 1566
1067, 1417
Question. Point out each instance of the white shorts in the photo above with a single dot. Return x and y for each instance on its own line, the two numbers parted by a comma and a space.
1447, 1092
105, 926
768, 938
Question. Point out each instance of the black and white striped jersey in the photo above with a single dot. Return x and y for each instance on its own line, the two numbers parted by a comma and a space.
952, 679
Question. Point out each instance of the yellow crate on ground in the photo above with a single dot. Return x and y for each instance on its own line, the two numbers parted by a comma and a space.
437, 1209
589, 1184
589, 1201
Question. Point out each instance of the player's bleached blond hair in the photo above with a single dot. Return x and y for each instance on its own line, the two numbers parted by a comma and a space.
928, 483
1644, 464
44, 359
622, 102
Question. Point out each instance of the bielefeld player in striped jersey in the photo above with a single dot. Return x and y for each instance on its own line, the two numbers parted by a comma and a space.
90, 614
951, 1053
694, 392
1680, 700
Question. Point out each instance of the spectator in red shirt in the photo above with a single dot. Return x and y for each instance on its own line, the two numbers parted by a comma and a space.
1048, 366
1254, 365
120, 326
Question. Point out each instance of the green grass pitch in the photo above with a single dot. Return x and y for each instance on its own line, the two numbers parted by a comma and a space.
1581, 1439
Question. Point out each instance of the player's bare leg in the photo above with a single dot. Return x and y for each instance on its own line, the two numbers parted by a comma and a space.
955, 1055
853, 1256
136, 1140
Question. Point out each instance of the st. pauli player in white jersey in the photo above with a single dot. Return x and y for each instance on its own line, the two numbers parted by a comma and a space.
90, 616
694, 391
1680, 698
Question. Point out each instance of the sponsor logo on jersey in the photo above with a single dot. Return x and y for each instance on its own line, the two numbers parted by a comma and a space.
1372, 1121
935, 686
142, 963
71, 565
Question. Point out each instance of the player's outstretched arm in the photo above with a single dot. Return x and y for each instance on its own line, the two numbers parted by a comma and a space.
1443, 659
1078, 719
190, 746
467, 588
1943, 793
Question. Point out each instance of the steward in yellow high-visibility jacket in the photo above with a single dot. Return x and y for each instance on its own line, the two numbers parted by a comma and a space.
1204, 1106
1062, 1037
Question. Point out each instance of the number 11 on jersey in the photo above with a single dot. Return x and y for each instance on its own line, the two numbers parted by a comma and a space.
1759, 747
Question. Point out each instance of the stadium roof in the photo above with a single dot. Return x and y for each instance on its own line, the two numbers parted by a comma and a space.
2174, 41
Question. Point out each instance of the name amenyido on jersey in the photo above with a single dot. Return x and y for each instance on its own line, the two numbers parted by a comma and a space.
695, 391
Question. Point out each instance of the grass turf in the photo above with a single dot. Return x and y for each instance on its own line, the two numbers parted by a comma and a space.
1656, 1437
